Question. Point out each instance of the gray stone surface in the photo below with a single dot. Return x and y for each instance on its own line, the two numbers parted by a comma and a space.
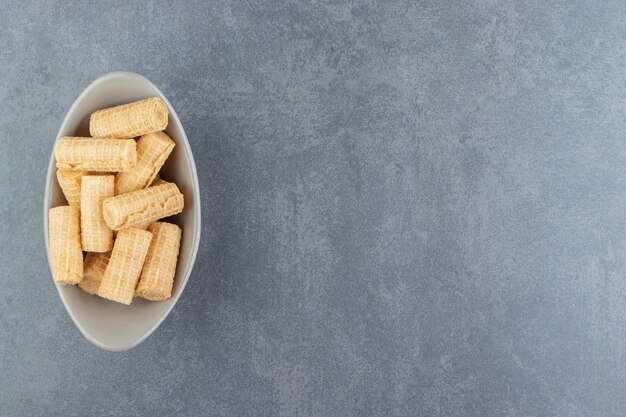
409, 208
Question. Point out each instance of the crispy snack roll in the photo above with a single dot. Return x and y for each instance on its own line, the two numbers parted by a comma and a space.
122, 272
69, 181
150, 204
66, 255
95, 154
130, 120
152, 151
96, 235
94, 267
157, 277
145, 225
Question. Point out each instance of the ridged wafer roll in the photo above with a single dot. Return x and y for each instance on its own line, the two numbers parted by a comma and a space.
130, 120
144, 225
69, 181
121, 274
93, 270
152, 151
96, 235
95, 154
157, 276
149, 204
66, 255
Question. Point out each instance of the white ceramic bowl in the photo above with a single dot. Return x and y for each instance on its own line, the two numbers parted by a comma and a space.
107, 324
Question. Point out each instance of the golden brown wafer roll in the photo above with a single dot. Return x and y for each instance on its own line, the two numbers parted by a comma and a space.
66, 255
95, 154
96, 235
145, 225
157, 178
69, 181
121, 274
152, 151
130, 120
93, 270
157, 277
149, 204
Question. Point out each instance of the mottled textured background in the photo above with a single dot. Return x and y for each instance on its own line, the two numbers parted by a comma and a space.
409, 208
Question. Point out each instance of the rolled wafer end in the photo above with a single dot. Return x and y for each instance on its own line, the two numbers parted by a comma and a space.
129, 159
69, 181
109, 214
160, 114
94, 267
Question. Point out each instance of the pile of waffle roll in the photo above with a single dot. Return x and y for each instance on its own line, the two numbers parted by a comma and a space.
114, 201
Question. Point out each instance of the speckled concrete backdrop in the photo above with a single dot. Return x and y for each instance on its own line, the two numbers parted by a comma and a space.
409, 208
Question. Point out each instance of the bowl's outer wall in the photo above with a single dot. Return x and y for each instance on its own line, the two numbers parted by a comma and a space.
107, 324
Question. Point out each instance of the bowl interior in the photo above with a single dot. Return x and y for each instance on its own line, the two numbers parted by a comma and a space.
107, 324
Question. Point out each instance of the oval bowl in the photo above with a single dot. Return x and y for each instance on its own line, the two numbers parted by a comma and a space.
109, 325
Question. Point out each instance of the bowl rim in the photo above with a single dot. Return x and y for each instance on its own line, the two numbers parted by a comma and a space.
197, 206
